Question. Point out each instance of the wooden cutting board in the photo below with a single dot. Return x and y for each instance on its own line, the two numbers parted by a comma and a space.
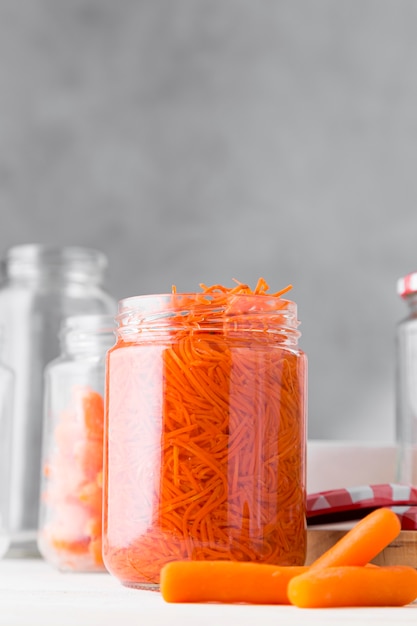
402, 551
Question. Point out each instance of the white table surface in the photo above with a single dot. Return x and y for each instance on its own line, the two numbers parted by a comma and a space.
32, 593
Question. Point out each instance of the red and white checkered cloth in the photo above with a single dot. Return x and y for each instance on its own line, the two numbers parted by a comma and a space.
352, 503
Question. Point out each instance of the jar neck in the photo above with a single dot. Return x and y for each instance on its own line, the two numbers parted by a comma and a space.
237, 317
49, 263
411, 301
87, 335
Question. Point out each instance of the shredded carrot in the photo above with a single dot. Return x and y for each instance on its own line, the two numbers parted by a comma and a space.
71, 535
93, 410
362, 542
354, 586
205, 438
227, 581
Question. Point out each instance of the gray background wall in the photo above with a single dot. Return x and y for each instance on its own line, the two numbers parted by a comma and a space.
202, 140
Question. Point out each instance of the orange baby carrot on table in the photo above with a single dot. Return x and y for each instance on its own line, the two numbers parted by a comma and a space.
227, 581
354, 586
362, 542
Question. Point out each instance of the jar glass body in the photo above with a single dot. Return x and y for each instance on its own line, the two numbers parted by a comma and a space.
406, 394
70, 515
43, 285
205, 436
6, 409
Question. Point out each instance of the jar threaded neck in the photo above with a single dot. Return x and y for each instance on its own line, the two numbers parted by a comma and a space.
239, 314
87, 333
33, 261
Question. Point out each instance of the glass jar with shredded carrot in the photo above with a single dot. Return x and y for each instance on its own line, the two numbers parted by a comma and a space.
204, 445
70, 511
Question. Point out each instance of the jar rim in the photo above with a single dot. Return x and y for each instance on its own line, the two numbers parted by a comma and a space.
29, 260
172, 301
54, 253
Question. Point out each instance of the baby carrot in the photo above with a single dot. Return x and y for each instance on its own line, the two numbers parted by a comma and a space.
227, 581
362, 542
354, 586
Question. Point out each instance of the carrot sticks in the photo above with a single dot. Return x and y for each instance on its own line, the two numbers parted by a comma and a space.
256, 583
341, 577
362, 542
227, 581
70, 536
354, 586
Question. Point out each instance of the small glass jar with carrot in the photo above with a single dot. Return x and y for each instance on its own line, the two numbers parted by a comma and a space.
204, 451
70, 512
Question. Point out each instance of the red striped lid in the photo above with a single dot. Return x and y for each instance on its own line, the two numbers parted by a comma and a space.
407, 285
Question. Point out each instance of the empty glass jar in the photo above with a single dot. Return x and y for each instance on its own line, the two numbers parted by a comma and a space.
42, 286
406, 382
70, 522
